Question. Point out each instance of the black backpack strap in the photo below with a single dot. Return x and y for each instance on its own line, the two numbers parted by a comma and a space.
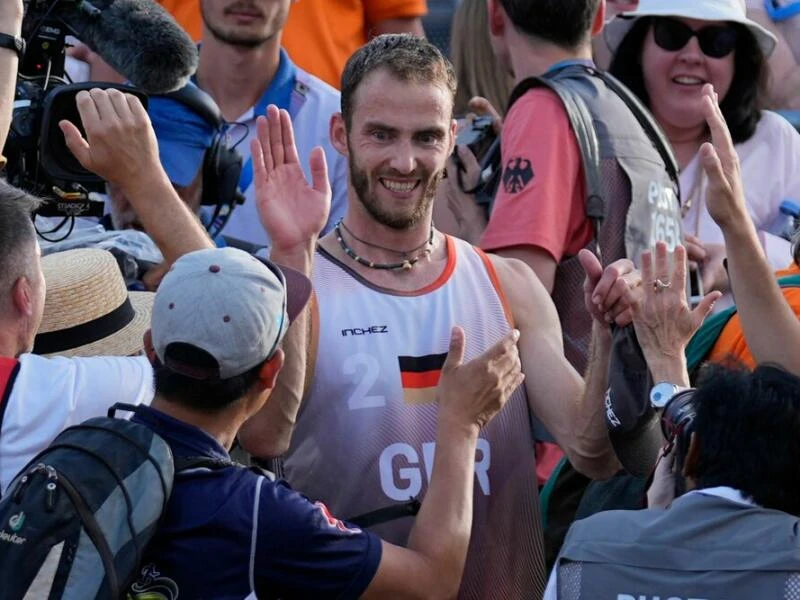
186, 463
581, 120
123, 407
386, 514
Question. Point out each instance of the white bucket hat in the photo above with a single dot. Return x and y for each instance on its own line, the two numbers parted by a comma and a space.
702, 10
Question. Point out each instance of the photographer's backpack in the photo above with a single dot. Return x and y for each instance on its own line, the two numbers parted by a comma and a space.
76, 521
632, 201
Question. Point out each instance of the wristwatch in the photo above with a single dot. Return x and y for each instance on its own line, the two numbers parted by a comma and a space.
662, 392
13, 42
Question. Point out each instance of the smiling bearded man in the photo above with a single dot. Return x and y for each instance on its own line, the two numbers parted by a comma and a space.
390, 289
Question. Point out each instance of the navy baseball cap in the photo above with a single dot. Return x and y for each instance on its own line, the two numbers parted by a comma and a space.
183, 138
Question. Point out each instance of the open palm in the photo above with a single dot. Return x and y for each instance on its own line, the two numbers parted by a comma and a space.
292, 212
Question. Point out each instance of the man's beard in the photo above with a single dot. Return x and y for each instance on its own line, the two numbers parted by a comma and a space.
368, 198
233, 38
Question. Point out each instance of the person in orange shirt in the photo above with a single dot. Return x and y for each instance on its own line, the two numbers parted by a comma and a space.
731, 346
320, 35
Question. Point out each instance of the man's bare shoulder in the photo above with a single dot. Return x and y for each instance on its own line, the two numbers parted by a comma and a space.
526, 295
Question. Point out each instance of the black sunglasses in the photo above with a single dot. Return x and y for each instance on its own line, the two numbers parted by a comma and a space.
716, 41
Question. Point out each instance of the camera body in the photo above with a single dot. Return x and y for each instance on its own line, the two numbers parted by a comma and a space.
38, 160
477, 134
677, 425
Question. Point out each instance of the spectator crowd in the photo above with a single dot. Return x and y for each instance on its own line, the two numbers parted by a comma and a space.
365, 317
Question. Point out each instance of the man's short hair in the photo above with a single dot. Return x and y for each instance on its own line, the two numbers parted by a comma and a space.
218, 315
747, 426
565, 23
407, 57
17, 234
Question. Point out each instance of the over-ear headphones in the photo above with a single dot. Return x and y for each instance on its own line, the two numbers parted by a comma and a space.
222, 165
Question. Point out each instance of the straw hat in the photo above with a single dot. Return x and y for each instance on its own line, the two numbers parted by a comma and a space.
703, 10
88, 311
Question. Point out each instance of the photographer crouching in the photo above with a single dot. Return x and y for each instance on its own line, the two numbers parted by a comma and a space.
732, 458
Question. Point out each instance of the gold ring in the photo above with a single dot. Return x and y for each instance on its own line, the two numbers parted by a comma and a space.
659, 285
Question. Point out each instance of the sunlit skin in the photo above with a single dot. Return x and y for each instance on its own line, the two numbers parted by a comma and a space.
247, 23
397, 145
123, 216
36, 289
674, 82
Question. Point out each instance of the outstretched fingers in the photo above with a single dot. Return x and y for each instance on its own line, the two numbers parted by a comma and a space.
678, 281
265, 150
720, 135
662, 266
287, 135
275, 130
319, 171
702, 310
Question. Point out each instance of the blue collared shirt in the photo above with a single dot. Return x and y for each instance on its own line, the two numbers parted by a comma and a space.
232, 533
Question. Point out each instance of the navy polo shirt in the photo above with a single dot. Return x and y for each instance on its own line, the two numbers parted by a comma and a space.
230, 532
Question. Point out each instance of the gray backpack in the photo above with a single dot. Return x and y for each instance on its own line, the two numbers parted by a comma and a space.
76, 521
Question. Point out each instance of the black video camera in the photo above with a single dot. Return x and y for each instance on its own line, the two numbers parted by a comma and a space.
479, 136
38, 159
677, 425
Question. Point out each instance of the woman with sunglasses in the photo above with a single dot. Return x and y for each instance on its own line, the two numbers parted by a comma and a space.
665, 51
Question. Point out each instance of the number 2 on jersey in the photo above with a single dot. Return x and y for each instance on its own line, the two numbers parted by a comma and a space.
368, 368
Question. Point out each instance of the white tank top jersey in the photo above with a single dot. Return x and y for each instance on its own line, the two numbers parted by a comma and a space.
365, 435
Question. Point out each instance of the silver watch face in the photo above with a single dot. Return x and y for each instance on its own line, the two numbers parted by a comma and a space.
662, 393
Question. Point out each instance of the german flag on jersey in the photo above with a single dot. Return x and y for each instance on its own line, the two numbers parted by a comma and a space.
420, 376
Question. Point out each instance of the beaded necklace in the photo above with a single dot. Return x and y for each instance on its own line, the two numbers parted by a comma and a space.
405, 264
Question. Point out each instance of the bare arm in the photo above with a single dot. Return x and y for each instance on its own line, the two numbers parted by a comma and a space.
540, 261
556, 392
120, 146
293, 213
469, 396
10, 23
765, 315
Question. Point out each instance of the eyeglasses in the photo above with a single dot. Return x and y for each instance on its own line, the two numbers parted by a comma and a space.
716, 41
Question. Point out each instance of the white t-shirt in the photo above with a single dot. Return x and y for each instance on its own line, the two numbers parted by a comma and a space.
770, 166
51, 394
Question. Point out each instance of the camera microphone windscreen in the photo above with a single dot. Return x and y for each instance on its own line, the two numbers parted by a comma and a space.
140, 40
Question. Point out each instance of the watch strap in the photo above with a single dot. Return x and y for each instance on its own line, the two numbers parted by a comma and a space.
13, 42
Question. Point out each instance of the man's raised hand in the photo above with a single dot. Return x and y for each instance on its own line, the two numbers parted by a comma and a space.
292, 212
725, 195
